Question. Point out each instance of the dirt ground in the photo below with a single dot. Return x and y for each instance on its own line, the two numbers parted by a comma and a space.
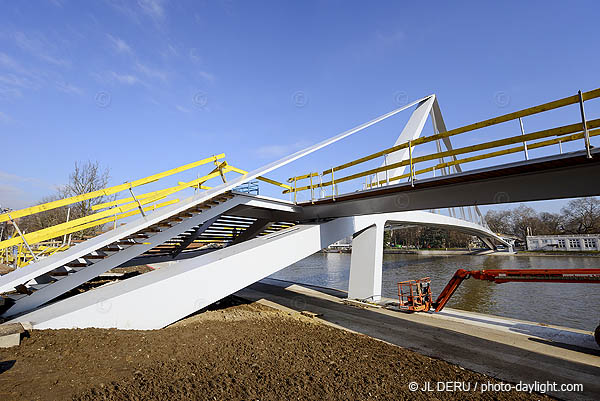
237, 352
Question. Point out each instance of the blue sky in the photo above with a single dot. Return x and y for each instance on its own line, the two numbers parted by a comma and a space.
143, 86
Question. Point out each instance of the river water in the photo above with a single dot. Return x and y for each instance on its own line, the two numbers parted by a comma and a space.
570, 305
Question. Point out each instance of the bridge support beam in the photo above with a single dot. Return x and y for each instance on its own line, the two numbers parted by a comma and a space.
366, 264
488, 243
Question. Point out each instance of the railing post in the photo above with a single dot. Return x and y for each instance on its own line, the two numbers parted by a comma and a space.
412, 176
115, 218
332, 185
68, 215
22, 237
295, 190
387, 177
560, 147
322, 195
312, 190
585, 130
138, 202
524, 142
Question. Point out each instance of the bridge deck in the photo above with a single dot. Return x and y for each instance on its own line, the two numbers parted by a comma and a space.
554, 177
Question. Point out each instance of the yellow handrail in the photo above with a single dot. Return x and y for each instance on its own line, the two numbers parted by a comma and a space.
106, 191
471, 127
559, 131
51, 232
497, 153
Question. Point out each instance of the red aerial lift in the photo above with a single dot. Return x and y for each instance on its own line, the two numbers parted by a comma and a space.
415, 295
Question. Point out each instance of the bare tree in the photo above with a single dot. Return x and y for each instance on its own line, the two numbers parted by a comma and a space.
552, 223
524, 218
86, 177
500, 221
582, 216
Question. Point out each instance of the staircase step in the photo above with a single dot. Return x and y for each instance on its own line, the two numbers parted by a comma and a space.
95, 256
21, 289
76, 264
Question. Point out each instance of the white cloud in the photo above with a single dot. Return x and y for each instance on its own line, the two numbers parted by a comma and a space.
16, 198
196, 58
6, 178
68, 88
57, 3
4, 117
13, 80
172, 49
390, 38
11, 85
151, 72
119, 44
272, 151
206, 75
153, 8
182, 109
8, 62
19, 78
39, 47
9, 93
127, 79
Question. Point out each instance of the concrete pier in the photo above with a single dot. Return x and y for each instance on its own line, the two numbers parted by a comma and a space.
507, 349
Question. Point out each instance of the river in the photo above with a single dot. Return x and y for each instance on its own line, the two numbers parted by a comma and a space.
570, 305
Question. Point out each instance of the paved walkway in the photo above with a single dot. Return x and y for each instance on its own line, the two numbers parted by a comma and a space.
508, 349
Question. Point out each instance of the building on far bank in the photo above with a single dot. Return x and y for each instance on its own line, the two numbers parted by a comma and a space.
341, 245
575, 242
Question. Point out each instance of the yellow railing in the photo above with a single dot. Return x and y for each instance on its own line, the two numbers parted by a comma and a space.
114, 210
581, 130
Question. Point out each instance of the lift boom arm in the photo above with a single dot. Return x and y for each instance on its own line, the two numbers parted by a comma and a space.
518, 275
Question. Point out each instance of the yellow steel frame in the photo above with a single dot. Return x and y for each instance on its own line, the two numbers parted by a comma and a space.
265, 179
575, 129
120, 208
106, 191
51, 232
496, 154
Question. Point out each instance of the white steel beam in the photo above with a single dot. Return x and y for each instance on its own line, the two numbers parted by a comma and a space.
73, 280
158, 298
412, 130
366, 263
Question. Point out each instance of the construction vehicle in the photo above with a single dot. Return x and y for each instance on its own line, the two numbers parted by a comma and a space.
415, 295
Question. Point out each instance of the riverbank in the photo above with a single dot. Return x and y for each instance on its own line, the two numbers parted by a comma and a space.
476, 252
241, 351
508, 349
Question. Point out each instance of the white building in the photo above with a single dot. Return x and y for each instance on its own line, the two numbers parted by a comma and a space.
576, 242
341, 245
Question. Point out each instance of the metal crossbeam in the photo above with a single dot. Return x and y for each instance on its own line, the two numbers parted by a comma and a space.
195, 234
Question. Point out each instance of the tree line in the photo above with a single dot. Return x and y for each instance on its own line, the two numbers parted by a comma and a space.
426, 238
579, 216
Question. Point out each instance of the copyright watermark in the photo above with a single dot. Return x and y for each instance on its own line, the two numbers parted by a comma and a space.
102, 99
103, 305
502, 99
477, 387
501, 197
401, 98
299, 99
200, 100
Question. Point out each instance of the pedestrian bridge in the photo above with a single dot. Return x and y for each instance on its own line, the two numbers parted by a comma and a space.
223, 239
